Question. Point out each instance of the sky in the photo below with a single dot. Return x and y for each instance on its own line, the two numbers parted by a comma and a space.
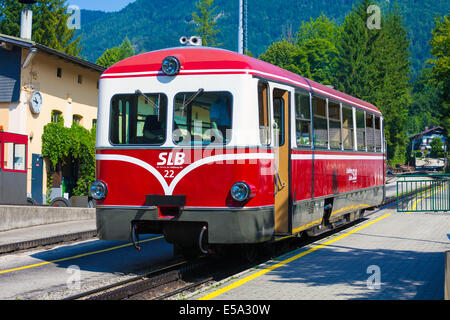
104, 5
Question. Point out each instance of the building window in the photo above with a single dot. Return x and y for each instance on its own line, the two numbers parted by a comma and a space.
59, 72
56, 116
77, 119
14, 156
80, 79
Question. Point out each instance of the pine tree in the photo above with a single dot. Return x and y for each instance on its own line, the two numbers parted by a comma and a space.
205, 21
49, 24
390, 82
440, 44
354, 62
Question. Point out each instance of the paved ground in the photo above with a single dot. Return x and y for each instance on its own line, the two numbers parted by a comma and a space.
389, 256
45, 231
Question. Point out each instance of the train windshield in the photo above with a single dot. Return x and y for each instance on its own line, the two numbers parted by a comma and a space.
139, 118
202, 118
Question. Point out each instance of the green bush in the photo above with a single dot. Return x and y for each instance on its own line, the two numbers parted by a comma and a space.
59, 143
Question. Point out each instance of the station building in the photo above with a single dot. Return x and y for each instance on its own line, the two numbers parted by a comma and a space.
37, 82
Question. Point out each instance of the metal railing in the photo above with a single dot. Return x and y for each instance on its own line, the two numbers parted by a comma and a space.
424, 193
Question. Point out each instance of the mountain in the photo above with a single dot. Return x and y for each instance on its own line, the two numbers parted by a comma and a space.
156, 24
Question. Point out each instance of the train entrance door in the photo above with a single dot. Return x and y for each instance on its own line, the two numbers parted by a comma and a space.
280, 111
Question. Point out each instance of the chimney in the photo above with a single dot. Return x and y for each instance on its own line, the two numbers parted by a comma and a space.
26, 23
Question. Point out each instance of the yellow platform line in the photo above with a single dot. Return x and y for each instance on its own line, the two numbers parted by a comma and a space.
282, 263
419, 200
75, 257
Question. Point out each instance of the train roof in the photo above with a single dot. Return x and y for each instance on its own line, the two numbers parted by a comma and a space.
204, 60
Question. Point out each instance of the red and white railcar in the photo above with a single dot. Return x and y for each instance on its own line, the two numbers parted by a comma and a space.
207, 145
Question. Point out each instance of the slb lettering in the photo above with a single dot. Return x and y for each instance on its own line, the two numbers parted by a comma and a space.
171, 159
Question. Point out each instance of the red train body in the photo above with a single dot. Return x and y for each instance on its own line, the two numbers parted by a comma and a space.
206, 145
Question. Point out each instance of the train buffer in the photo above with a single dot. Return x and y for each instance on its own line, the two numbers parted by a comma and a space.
388, 256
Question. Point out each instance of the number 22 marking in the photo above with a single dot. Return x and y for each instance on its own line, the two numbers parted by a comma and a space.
169, 173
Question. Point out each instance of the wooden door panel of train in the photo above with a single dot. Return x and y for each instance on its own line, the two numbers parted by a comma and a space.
280, 111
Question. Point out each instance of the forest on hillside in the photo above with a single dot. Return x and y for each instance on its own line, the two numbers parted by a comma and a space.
402, 66
154, 24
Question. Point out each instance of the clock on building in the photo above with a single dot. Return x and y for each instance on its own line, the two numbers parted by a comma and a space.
36, 102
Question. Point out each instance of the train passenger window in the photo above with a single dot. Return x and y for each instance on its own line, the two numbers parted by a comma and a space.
263, 109
320, 123
360, 130
334, 112
347, 127
14, 156
303, 119
370, 132
377, 134
138, 119
278, 117
202, 118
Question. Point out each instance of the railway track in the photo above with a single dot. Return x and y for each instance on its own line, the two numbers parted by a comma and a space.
177, 276
184, 276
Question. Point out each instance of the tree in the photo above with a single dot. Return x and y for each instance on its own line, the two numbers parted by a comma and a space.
287, 56
425, 101
354, 66
116, 54
49, 24
317, 39
437, 148
390, 88
440, 62
205, 22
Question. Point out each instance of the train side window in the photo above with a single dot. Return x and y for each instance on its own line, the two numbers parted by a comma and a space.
360, 130
263, 110
278, 117
320, 123
303, 119
370, 132
377, 134
347, 127
334, 112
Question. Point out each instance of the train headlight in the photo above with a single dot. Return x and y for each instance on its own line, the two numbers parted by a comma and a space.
98, 190
171, 66
240, 191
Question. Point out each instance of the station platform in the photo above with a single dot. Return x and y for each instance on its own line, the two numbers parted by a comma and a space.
389, 256
47, 234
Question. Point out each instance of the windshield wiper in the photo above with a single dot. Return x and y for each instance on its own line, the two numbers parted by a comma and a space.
139, 92
199, 92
